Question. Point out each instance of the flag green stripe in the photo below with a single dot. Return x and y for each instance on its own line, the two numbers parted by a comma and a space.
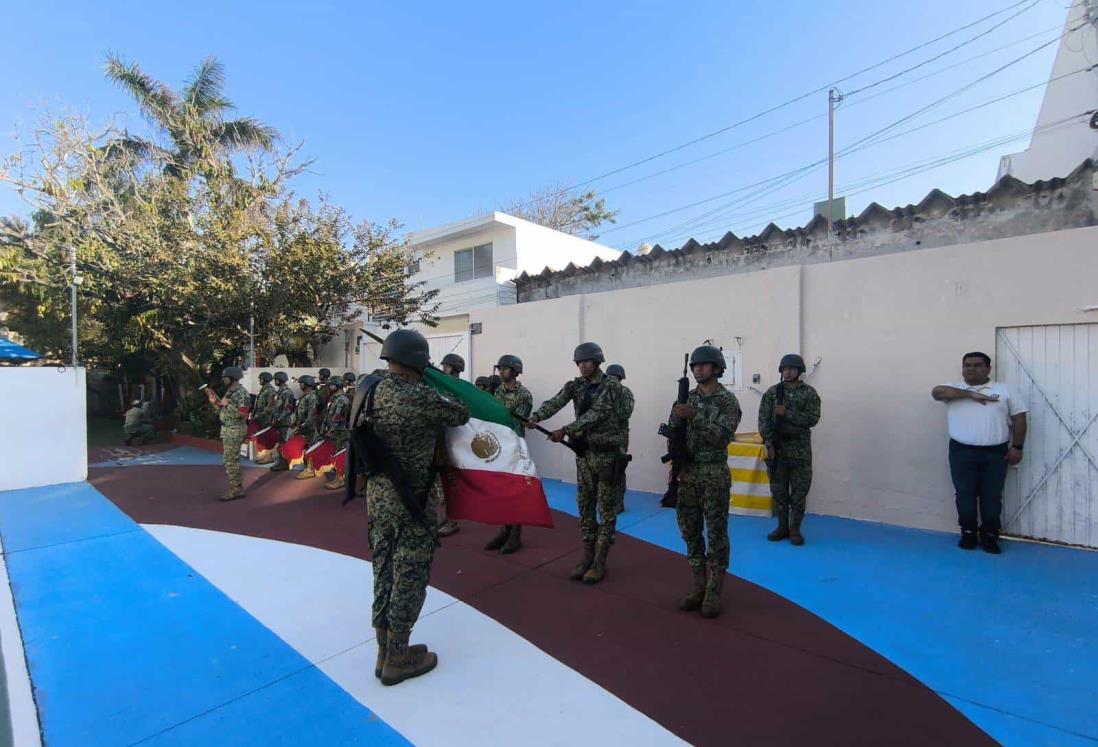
482, 405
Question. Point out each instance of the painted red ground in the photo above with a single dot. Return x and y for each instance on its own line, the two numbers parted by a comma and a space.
766, 672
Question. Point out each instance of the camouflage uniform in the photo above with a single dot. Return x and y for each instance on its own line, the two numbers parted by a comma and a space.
305, 417
234, 429
407, 417
137, 428
624, 410
791, 437
704, 482
518, 401
595, 472
265, 403
283, 415
335, 420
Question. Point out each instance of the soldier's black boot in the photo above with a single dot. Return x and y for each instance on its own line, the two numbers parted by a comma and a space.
597, 571
401, 663
281, 465
990, 542
585, 562
383, 645
693, 600
968, 540
795, 536
497, 542
514, 541
711, 606
782, 532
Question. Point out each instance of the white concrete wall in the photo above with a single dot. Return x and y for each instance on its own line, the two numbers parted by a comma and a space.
1056, 151
44, 439
887, 328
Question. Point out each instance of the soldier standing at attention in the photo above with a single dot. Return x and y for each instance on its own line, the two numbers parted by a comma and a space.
519, 402
452, 365
593, 396
335, 426
264, 412
407, 420
710, 416
625, 412
305, 420
233, 413
137, 427
788, 412
283, 416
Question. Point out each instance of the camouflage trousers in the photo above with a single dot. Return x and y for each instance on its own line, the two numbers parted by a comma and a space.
790, 480
232, 437
597, 496
141, 434
403, 550
339, 439
703, 509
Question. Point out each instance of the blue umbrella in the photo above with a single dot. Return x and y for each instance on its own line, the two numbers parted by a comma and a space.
9, 351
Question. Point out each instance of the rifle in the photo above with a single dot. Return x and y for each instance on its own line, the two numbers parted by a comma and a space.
779, 420
676, 442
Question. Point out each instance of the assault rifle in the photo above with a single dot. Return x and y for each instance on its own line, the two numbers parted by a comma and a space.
676, 442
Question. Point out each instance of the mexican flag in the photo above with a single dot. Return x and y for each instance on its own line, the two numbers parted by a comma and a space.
491, 478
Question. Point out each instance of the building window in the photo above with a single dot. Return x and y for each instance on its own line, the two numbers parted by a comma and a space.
470, 264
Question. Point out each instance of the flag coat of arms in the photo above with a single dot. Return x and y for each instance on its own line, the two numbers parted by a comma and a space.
491, 478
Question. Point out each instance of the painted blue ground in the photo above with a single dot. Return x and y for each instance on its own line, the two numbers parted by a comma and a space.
179, 456
126, 644
1010, 641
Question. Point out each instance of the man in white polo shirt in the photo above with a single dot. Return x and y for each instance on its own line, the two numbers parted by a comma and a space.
987, 430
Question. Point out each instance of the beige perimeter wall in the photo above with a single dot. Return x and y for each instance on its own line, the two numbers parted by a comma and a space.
886, 329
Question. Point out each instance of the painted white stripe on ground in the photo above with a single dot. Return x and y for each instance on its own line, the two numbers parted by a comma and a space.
491, 684
492, 447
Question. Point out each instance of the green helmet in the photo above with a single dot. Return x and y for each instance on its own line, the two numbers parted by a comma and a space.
588, 351
236, 373
708, 354
482, 381
265, 377
791, 361
455, 360
349, 378
281, 377
616, 371
408, 348
512, 362
336, 383
324, 373
306, 380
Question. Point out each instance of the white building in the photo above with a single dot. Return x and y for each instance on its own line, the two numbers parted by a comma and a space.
1067, 127
472, 263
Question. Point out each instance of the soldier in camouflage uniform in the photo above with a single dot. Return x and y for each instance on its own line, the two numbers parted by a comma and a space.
264, 412
624, 413
519, 402
305, 420
452, 365
710, 416
137, 428
594, 396
233, 413
786, 431
283, 415
335, 426
408, 417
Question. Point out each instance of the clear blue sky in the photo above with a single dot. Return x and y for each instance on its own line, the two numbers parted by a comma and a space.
431, 112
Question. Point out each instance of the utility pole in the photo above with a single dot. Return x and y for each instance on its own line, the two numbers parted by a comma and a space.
833, 98
75, 280
251, 335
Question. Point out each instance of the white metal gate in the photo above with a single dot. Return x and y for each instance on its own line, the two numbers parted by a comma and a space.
440, 344
1053, 494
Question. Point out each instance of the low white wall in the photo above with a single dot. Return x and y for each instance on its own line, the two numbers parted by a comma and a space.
45, 435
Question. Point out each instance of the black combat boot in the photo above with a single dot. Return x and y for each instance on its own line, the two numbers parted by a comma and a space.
497, 542
382, 649
693, 600
990, 542
795, 536
401, 663
281, 465
597, 571
711, 607
585, 562
514, 541
968, 540
782, 532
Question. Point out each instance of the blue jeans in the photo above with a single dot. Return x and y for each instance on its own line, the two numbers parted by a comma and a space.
978, 475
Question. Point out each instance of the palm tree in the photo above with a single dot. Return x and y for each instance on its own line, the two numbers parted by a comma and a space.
193, 119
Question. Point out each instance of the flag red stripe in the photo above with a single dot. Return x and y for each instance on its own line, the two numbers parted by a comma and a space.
495, 498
